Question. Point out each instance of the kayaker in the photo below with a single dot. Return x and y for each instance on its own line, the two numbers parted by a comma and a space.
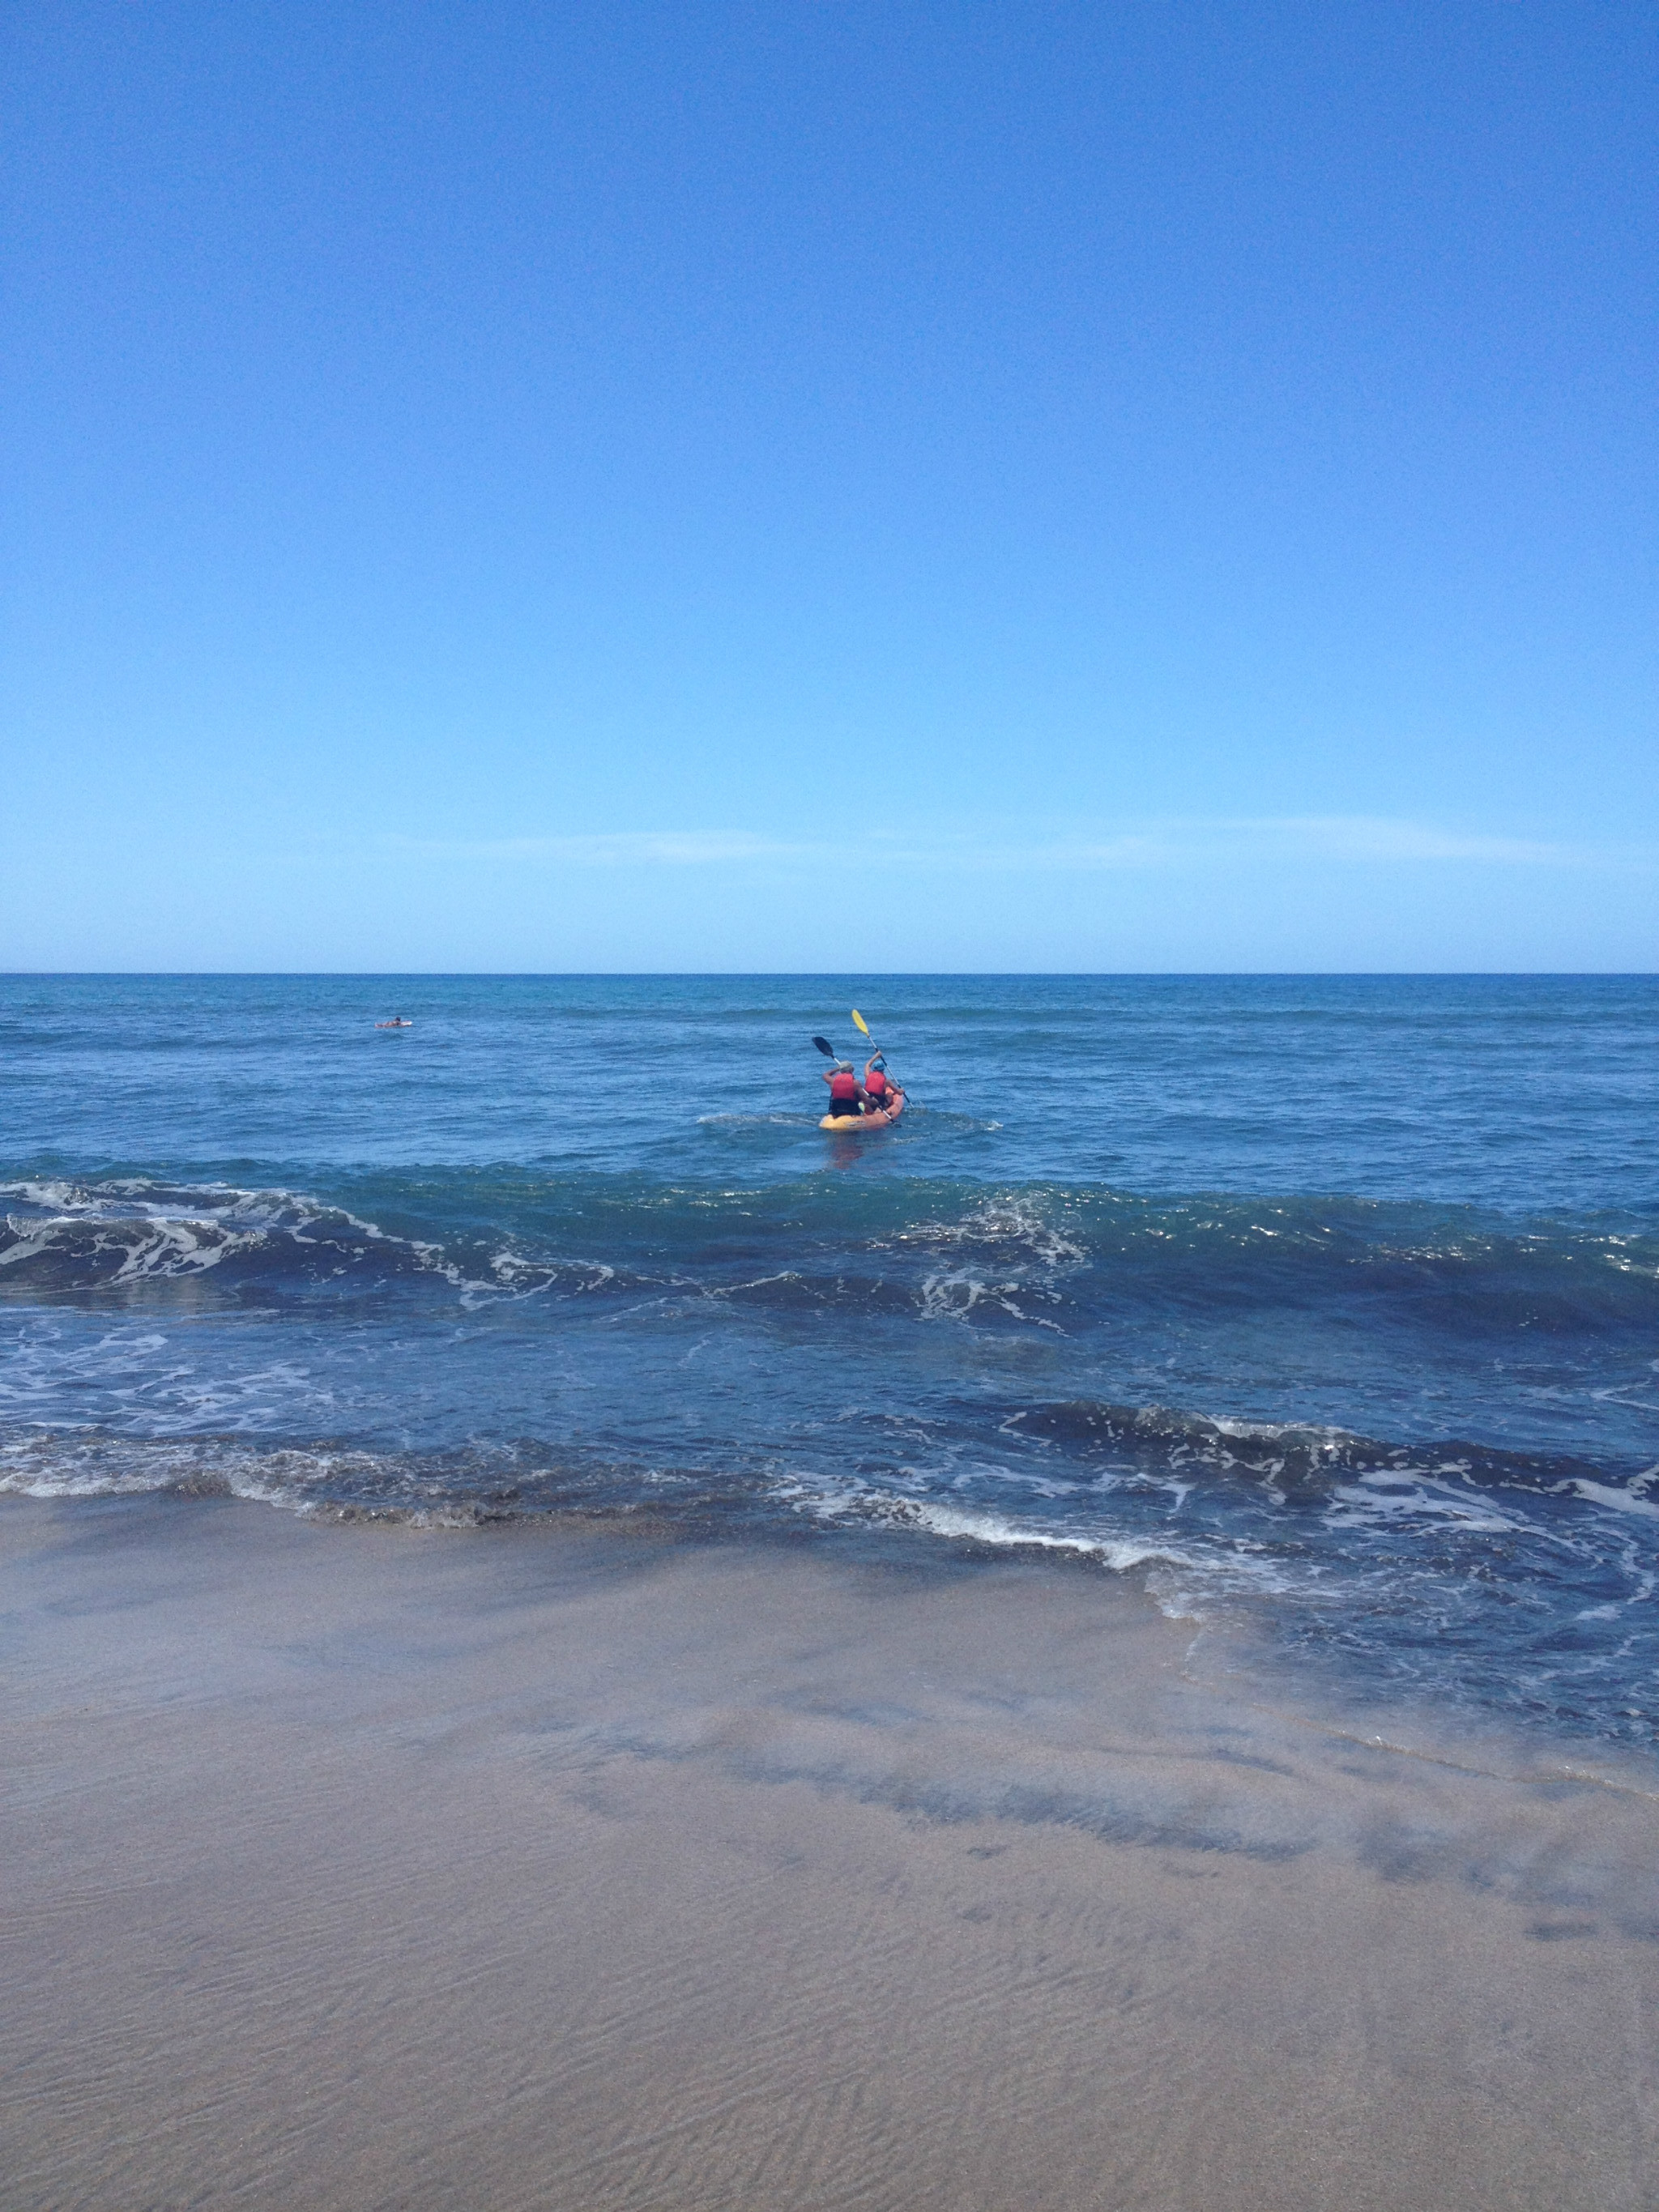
877, 1088
844, 1095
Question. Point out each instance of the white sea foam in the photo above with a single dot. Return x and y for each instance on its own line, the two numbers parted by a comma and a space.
1374, 1498
1003, 1534
958, 1297
131, 1230
150, 1245
1190, 1581
1237, 1562
296, 1481
760, 1121
1620, 1501
1013, 1223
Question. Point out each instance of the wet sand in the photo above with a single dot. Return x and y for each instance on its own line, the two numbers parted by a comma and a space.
359, 1867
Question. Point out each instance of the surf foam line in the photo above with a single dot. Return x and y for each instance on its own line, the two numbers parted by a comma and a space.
1186, 1581
463, 1488
864, 1503
81, 1238
483, 1484
1080, 1451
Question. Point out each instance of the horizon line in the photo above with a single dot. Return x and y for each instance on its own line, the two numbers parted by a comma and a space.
779, 975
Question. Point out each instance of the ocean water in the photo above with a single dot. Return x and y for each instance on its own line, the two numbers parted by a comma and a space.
1333, 1303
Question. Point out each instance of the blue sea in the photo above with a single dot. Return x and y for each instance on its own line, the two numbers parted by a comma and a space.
1326, 1304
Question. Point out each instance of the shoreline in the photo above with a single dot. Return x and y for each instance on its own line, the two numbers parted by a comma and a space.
357, 1866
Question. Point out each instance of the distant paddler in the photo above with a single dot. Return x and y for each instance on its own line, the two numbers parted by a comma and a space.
396, 1023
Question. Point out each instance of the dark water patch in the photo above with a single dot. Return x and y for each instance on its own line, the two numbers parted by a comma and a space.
1296, 1463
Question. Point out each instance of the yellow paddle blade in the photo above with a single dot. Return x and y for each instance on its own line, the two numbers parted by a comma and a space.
859, 1019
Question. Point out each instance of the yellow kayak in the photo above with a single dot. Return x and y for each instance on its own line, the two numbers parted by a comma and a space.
855, 1124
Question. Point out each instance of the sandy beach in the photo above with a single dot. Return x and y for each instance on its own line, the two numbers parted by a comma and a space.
349, 1866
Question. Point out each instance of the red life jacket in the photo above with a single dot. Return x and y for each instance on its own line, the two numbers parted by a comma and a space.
876, 1084
843, 1087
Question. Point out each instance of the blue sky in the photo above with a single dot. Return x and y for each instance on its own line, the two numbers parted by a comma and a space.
833, 486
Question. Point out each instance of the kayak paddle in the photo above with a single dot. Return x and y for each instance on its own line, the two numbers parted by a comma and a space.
875, 1049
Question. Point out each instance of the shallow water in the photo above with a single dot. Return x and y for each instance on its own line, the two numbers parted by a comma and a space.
1334, 1300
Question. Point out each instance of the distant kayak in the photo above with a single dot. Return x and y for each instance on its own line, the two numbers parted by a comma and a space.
855, 1124
397, 1022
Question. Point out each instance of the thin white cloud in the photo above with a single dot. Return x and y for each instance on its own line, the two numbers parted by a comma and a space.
1353, 839
1377, 837
619, 849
